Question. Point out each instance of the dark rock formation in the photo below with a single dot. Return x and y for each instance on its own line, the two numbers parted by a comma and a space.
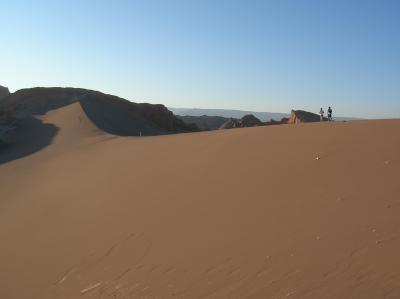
207, 123
204, 122
3, 92
250, 120
284, 120
231, 123
246, 121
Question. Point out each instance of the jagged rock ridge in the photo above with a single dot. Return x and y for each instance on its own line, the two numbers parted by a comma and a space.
246, 121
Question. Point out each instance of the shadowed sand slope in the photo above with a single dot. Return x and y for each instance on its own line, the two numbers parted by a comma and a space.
306, 211
64, 128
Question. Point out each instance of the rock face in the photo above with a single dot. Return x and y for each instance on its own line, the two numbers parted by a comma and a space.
246, 121
3, 92
204, 122
284, 120
250, 120
207, 123
109, 113
231, 123
301, 116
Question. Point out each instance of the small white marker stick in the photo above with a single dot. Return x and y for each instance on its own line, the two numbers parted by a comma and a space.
90, 288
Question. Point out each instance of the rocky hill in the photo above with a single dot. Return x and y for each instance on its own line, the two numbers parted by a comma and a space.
109, 113
246, 121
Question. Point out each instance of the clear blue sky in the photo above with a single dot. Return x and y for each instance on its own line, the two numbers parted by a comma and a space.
248, 54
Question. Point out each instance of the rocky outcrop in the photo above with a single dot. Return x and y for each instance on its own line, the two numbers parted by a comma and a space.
284, 120
250, 120
207, 123
3, 92
109, 113
231, 123
246, 121
204, 122
301, 116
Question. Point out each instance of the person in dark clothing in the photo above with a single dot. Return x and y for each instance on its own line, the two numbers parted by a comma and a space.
329, 113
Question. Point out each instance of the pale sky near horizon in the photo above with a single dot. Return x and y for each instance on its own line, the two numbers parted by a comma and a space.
248, 55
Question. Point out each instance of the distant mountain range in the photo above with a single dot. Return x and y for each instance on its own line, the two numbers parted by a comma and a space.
263, 116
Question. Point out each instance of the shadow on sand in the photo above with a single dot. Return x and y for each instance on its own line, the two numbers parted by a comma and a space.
25, 138
117, 117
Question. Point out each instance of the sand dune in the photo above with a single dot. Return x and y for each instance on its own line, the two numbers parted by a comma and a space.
63, 128
291, 211
23, 114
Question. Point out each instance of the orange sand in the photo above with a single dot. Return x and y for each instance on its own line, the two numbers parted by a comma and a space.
290, 211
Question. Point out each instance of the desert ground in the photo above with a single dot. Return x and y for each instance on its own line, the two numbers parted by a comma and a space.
287, 211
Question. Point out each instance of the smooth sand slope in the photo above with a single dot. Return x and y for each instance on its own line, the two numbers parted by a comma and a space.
245, 213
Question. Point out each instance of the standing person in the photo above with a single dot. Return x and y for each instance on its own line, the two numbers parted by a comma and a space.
321, 113
329, 113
